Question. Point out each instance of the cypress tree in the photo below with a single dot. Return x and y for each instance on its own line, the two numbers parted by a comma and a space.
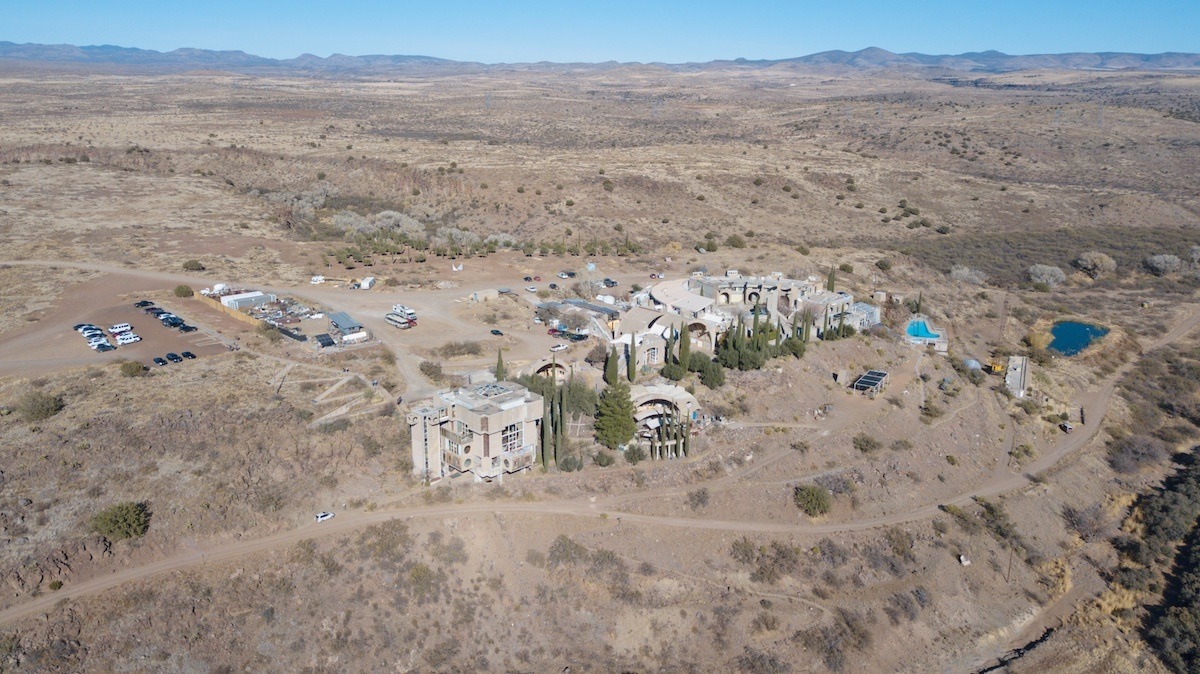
687, 438
920, 295
832, 280
631, 362
547, 433
685, 349
610, 367
501, 373
560, 440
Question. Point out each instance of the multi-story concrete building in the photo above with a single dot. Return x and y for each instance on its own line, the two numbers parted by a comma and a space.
486, 430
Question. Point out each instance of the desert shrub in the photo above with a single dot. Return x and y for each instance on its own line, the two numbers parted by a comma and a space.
964, 273
465, 348
698, 499
39, 406
735, 241
846, 267
564, 551
132, 368
883, 265
866, 443
1095, 264
635, 454
1161, 265
183, 291
1047, 275
847, 634
814, 500
1132, 452
431, 369
122, 520
754, 661
1089, 522
193, 265
604, 459
269, 332
713, 375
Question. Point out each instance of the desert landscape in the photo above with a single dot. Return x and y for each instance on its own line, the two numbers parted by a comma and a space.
159, 517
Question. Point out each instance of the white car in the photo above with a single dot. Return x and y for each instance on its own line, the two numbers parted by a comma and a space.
559, 347
127, 338
562, 274
532, 289
324, 516
96, 344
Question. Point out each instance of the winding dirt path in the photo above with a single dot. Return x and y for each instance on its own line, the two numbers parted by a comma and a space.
1096, 402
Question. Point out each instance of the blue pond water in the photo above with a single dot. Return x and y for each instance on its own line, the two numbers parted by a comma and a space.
919, 329
1071, 337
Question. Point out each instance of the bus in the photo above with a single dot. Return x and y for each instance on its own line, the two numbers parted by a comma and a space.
398, 321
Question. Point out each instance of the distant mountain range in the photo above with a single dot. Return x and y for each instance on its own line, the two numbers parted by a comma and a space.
127, 59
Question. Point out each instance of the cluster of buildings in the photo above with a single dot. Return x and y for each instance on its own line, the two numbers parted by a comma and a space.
488, 429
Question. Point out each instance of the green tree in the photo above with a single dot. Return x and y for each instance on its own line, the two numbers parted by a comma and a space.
501, 373
631, 361
813, 499
713, 375
831, 282
183, 291
685, 348
615, 424
547, 433
123, 520
610, 368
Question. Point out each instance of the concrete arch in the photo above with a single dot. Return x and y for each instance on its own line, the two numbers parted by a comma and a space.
560, 371
752, 297
724, 297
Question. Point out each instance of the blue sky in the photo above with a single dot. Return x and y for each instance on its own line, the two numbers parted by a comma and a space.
676, 31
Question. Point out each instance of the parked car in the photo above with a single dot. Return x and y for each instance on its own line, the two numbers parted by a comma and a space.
92, 333
189, 355
562, 274
532, 289
160, 362
570, 274
324, 516
554, 286
97, 344
154, 311
143, 304
102, 348
576, 338
610, 283
128, 338
497, 333
119, 328
187, 328
528, 279
559, 347
537, 320
1066, 427
82, 326
174, 358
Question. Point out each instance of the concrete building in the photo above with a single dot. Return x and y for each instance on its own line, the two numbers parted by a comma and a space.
241, 301
486, 430
1016, 377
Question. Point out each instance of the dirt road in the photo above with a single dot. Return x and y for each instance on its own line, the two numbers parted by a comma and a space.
1096, 402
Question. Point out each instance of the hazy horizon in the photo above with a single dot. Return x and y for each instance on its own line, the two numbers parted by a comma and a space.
671, 32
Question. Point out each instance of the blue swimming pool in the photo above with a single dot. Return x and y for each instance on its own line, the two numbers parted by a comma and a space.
920, 330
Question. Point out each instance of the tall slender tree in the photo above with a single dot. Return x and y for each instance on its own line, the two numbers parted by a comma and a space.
685, 349
831, 281
610, 367
501, 373
560, 437
547, 433
631, 361
615, 424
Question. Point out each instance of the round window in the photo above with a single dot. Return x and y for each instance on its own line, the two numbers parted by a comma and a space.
467, 463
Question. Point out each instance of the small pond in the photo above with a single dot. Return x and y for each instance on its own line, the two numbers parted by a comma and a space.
1071, 337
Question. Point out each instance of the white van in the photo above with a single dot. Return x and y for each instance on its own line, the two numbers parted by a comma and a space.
127, 338
119, 328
